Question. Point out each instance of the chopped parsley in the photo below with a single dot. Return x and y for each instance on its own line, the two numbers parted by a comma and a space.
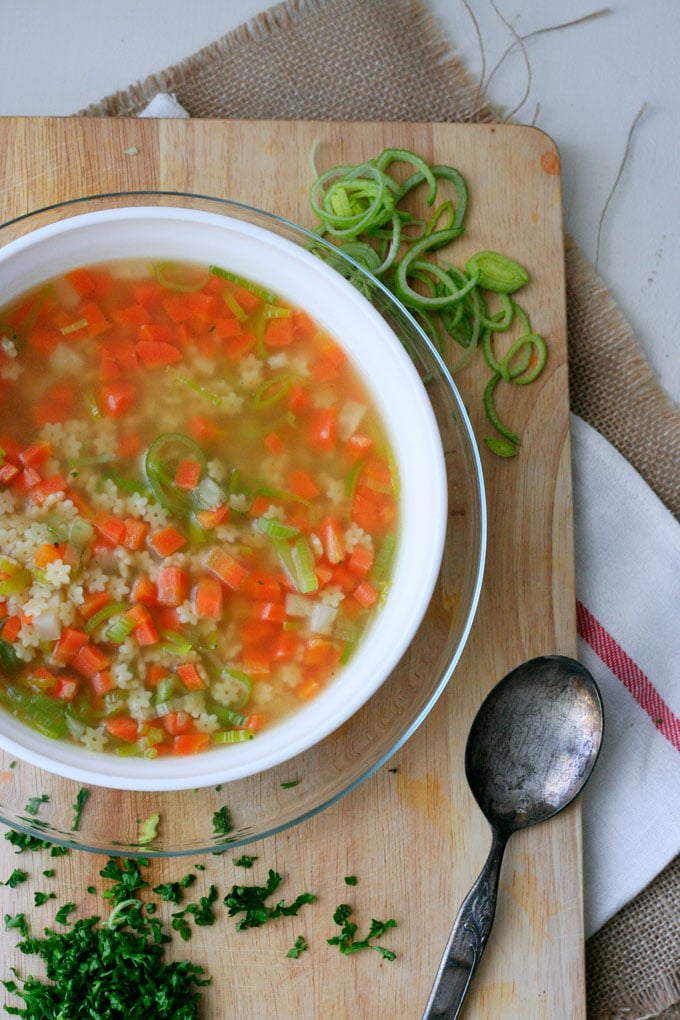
250, 901
289, 784
346, 941
16, 878
245, 861
222, 823
350, 879
39, 898
299, 947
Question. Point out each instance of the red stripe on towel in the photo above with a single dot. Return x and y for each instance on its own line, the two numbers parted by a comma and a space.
629, 673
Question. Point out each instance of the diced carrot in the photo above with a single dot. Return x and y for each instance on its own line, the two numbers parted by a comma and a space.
254, 721
27, 480
122, 727
190, 676
176, 723
209, 519
279, 332
298, 398
358, 445
117, 399
208, 598
343, 578
302, 484
262, 587
47, 487
167, 541
332, 539
225, 567
135, 533
44, 341
191, 743
324, 370
254, 632
36, 454
188, 474
324, 574
8, 473
93, 602
259, 506
46, 553
138, 614
111, 528
360, 560
308, 689
144, 590
156, 332
65, 688
228, 327
203, 429
89, 660
129, 446
372, 510
274, 612
172, 585
154, 674
256, 661
101, 683
237, 346
285, 647
157, 353
303, 324
248, 301
322, 433
146, 633
274, 443
167, 619
68, 644
97, 321
319, 651
130, 315
365, 594
11, 628
81, 281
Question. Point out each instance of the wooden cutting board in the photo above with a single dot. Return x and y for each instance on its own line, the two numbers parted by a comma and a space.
414, 838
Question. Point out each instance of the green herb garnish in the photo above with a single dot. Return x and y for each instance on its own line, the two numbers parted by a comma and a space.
250, 900
346, 941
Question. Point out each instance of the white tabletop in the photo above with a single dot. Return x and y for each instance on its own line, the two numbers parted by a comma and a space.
588, 83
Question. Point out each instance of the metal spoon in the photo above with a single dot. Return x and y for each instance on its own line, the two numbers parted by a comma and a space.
530, 751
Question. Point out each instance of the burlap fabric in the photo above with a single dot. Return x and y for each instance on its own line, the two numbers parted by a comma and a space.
287, 64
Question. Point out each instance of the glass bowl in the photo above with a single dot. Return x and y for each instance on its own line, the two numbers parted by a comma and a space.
132, 822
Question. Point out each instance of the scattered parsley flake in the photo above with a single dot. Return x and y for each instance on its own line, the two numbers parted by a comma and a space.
289, 784
350, 880
39, 898
222, 823
49, 872
62, 914
346, 940
245, 861
299, 947
16, 878
250, 900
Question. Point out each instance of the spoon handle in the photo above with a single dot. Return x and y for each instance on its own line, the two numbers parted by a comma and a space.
468, 938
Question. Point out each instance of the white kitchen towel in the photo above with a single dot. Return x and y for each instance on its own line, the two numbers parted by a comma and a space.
628, 611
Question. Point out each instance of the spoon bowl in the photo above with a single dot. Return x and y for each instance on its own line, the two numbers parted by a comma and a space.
531, 749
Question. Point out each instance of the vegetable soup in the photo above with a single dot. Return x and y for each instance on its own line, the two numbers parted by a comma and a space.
198, 508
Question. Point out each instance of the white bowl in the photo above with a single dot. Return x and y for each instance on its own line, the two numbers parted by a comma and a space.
306, 281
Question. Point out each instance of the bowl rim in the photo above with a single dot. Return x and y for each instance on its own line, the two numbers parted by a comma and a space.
58, 227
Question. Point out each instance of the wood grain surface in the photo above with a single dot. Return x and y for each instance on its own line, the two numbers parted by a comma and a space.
413, 837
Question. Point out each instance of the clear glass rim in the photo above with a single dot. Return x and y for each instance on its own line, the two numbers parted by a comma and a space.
479, 501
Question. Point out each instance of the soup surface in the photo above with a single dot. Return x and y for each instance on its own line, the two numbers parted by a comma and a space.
198, 508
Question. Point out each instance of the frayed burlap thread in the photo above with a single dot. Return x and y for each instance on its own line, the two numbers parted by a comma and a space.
286, 64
